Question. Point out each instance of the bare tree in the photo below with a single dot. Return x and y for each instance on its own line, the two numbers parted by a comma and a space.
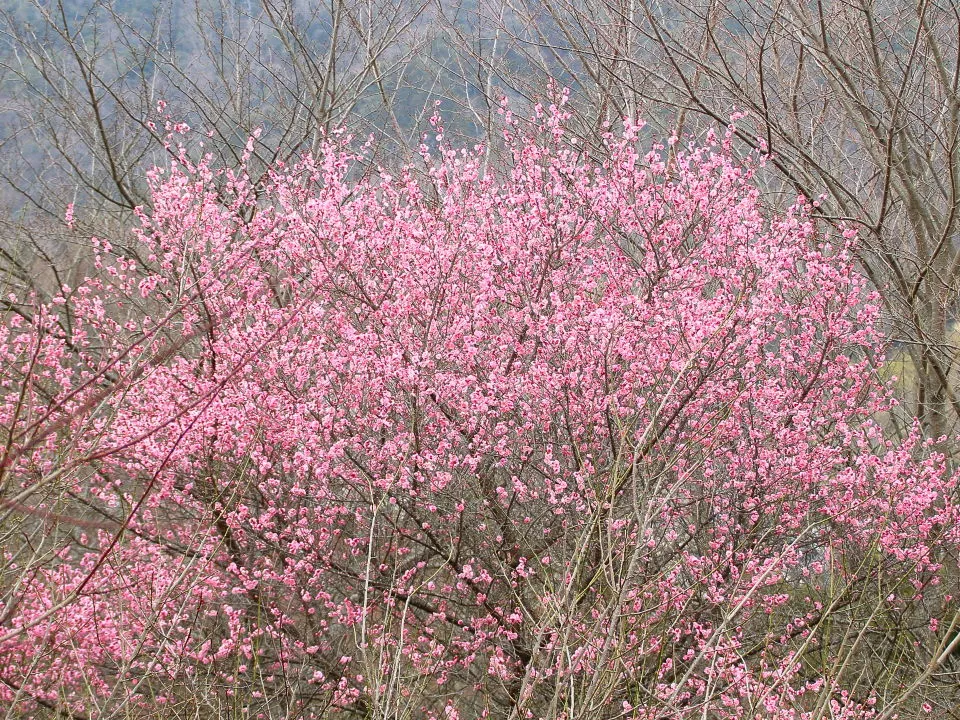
82, 80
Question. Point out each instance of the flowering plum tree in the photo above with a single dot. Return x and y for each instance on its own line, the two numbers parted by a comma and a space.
592, 440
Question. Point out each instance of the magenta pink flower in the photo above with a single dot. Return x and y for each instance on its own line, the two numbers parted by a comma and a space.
595, 436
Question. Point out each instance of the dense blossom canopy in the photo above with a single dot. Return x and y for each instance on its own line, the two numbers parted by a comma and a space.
593, 439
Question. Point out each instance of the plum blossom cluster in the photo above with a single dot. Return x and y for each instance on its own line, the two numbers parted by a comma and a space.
588, 439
